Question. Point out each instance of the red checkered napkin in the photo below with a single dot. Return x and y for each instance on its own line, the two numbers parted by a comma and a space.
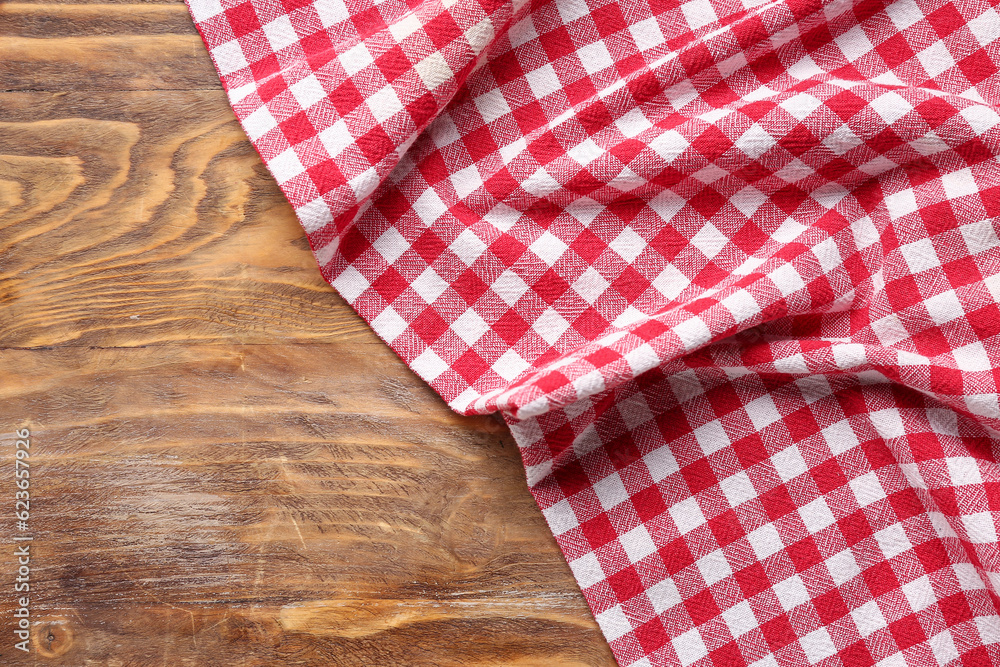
729, 268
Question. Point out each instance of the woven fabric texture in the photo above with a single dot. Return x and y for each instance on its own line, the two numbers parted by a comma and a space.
729, 268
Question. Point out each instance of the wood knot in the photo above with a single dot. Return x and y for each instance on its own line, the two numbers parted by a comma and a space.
53, 637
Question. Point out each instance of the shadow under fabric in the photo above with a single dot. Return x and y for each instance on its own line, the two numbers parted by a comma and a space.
729, 269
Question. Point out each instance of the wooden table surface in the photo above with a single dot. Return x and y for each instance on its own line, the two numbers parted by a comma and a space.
227, 466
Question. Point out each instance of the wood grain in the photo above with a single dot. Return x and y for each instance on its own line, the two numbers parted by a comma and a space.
228, 466
214, 491
147, 217
63, 47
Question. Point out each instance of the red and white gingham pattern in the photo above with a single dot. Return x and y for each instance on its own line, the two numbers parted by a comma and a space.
729, 268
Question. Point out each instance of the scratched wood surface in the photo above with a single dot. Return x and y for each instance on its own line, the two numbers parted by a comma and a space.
228, 467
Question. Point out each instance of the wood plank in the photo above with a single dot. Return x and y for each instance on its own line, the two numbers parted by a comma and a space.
117, 5
278, 504
63, 47
53, 21
119, 62
145, 218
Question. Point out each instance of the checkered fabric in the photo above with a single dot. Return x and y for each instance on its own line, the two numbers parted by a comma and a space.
729, 268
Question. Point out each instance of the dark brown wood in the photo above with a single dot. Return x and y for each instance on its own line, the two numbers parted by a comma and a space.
61, 47
278, 502
228, 467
